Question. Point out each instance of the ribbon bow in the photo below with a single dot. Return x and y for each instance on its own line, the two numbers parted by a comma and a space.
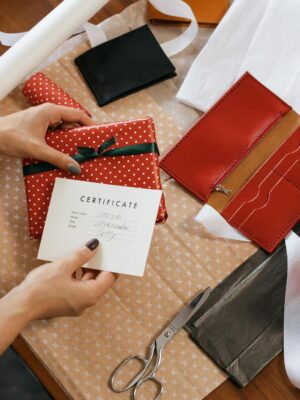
85, 154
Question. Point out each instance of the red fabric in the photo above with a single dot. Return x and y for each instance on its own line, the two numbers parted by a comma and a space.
40, 89
135, 171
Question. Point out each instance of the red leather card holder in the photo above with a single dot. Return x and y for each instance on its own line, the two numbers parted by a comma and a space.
223, 136
268, 205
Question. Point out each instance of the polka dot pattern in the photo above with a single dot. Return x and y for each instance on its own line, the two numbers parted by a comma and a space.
135, 171
40, 89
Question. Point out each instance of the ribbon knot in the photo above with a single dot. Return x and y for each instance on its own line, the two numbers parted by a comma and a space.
85, 154
89, 153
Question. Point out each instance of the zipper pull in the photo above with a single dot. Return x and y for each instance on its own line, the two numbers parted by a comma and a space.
222, 189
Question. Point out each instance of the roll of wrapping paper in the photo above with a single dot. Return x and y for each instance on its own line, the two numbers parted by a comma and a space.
38, 43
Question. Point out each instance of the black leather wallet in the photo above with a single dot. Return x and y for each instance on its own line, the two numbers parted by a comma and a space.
240, 326
124, 65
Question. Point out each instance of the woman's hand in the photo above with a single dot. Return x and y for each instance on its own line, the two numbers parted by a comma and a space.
53, 291
23, 134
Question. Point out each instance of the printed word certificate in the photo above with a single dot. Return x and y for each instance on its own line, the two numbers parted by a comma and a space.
121, 218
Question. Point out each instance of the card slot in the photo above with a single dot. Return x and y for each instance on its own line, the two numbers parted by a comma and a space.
267, 196
290, 172
287, 159
268, 205
257, 201
270, 223
271, 179
284, 162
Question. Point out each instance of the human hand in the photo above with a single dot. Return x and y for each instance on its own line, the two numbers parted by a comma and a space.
52, 290
23, 134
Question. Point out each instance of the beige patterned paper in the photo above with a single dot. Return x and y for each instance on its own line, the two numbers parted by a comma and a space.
82, 352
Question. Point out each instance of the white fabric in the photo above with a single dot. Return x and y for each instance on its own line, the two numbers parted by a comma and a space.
95, 34
21, 59
219, 227
292, 310
9, 39
177, 8
262, 39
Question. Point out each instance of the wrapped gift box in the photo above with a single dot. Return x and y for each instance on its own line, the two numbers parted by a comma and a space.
122, 153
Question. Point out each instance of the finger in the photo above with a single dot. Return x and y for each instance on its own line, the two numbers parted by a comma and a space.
80, 257
87, 276
105, 281
69, 114
68, 125
56, 114
88, 273
78, 274
59, 159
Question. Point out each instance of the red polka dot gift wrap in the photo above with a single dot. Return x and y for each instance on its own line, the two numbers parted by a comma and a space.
39, 89
136, 170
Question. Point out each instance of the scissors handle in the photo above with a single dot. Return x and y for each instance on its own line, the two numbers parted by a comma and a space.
147, 373
153, 379
134, 380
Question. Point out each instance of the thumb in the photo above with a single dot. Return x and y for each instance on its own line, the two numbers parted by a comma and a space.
59, 159
81, 256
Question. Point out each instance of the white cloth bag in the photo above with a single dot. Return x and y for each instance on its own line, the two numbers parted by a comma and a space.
261, 37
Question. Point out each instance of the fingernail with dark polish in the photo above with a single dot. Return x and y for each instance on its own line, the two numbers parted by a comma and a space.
92, 244
74, 169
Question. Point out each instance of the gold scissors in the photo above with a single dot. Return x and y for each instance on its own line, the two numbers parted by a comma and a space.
152, 362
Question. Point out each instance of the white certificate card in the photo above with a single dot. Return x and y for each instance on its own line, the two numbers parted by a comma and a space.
121, 218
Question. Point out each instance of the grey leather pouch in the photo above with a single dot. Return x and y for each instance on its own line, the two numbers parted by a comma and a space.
241, 325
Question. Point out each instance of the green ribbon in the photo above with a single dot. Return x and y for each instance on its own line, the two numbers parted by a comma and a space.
89, 153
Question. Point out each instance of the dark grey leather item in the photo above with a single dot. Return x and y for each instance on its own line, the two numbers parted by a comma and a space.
17, 382
124, 65
240, 326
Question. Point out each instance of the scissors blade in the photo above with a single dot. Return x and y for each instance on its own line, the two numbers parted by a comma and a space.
187, 312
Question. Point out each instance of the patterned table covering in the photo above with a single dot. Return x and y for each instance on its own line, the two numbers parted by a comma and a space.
82, 352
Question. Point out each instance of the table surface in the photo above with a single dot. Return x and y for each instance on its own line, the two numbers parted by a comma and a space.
272, 382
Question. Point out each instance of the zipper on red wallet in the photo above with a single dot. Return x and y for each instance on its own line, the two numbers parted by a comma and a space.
223, 189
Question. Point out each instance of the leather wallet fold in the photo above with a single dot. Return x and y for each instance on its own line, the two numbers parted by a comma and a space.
124, 65
257, 288
243, 157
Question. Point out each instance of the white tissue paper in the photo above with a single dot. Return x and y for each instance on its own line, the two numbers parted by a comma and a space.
261, 38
